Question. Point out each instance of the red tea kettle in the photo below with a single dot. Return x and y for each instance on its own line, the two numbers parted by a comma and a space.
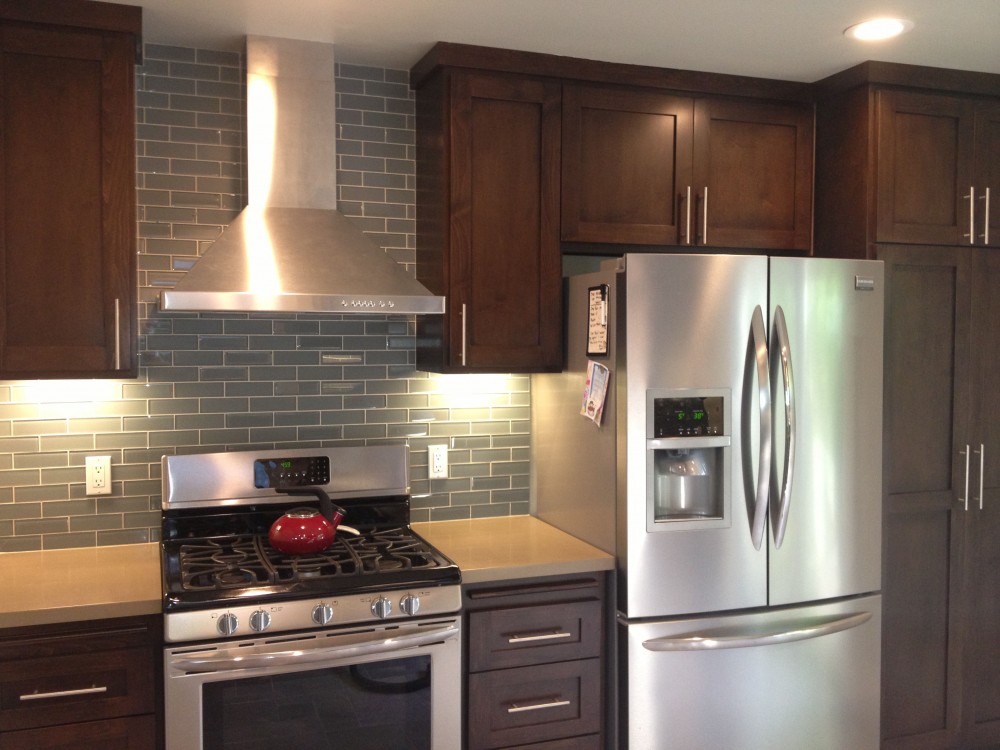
304, 530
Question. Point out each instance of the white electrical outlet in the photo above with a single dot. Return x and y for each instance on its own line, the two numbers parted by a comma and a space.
437, 460
98, 475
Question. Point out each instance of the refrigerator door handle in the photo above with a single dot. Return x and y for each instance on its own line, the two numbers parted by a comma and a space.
758, 333
789, 632
783, 494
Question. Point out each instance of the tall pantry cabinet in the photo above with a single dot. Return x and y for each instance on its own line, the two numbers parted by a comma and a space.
907, 166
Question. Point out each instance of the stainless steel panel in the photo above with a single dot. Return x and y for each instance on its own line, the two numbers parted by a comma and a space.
687, 325
832, 541
820, 693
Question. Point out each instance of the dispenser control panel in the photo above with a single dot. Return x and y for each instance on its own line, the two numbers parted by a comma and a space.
692, 416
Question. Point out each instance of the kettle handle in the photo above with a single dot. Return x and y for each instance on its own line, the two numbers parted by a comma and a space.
332, 513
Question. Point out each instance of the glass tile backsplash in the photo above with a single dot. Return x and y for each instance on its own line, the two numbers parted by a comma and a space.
218, 381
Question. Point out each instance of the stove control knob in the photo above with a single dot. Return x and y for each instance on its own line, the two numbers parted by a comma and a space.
322, 614
381, 608
228, 623
260, 620
410, 604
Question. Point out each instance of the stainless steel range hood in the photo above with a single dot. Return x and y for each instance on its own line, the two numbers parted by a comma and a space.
290, 250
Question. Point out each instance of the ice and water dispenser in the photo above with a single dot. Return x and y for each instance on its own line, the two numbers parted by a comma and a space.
688, 444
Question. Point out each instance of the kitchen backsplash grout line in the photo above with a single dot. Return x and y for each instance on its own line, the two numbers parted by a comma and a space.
214, 381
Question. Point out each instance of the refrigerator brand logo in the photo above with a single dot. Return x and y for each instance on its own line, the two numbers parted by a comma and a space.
864, 284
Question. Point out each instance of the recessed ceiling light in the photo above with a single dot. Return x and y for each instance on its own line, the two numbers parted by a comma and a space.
878, 29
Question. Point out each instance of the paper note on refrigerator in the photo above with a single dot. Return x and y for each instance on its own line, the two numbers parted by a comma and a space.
595, 391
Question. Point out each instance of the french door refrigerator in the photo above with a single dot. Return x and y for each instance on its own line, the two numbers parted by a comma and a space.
735, 472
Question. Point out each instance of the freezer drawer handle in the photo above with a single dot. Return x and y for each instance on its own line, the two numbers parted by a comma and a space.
64, 693
516, 708
554, 635
798, 632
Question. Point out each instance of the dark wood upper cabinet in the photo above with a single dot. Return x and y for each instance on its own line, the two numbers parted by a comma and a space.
906, 155
648, 167
753, 165
988, 173
487, 222
67, 189
626, 163
926, 168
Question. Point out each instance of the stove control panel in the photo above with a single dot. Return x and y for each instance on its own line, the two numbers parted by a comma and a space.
288, 473
280, 617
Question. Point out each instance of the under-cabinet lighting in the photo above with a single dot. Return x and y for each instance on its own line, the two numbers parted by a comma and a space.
878, 29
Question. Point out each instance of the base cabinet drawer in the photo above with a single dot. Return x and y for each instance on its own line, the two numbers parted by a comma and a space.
515, 707
81, 687
132, 733
521, 636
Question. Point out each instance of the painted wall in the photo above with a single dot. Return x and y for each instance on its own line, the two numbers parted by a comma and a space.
236, 381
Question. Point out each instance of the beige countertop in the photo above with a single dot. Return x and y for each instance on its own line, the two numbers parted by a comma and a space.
94, 583
89, 583
508, 547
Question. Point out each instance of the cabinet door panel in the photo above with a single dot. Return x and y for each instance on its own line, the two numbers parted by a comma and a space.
67, 274
505, 263
626, 166
982, 696
926, 397
925, 160
988, 173
755, 161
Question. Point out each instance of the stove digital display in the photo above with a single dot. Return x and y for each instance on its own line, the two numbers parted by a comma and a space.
286, 473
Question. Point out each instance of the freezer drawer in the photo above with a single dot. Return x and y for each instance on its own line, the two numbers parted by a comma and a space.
787, 679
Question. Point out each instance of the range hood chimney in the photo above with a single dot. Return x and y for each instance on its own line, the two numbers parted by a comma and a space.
290, 250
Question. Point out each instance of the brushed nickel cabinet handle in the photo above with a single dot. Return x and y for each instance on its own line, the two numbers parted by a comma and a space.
516, 708
982, 466
118, 334
553, 636
965, 497
971, 197
986, 217
64, 693
687, 217
704, 217
464, 329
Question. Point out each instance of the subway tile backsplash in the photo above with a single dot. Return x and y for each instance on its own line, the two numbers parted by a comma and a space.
218, 381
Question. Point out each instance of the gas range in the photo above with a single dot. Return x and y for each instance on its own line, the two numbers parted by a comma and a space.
222, 578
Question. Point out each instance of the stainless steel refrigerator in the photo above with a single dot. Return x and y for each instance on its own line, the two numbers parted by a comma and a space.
734, 469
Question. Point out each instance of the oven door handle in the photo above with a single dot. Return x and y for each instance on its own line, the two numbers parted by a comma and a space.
235, 661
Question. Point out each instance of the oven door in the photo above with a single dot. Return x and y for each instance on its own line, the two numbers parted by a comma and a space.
352, 688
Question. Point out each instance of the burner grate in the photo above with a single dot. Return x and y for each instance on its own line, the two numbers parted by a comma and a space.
244, 561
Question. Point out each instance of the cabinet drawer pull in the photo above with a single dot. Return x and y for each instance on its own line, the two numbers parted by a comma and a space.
516, 708
554, 635
64, 693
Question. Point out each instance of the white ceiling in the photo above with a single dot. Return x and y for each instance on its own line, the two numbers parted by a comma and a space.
799, 40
